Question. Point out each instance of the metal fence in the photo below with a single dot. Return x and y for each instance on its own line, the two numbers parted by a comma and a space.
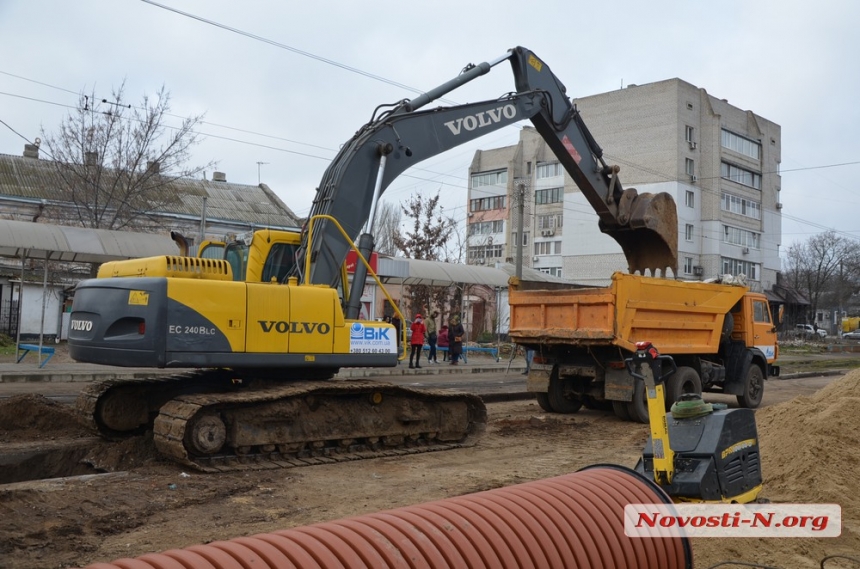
9, 318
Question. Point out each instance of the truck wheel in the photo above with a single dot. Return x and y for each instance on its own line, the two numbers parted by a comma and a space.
753, 388
685, 380
543, 401
562, 400
620, 408
638, 407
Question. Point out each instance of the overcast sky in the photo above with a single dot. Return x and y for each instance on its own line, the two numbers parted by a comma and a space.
290, 106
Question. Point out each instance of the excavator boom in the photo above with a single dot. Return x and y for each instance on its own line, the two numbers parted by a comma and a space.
644, 225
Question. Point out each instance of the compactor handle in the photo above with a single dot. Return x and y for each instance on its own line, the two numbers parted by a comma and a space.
647, 354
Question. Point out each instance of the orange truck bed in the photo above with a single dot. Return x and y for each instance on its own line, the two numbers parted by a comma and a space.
678, 316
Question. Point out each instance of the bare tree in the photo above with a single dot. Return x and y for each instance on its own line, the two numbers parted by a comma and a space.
115, 162
387, 228
456, 248
425, 239
820, 265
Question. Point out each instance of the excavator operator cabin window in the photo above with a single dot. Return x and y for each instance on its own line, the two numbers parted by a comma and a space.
237, 255
282, 258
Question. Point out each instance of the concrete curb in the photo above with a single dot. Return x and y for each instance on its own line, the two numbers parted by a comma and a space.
802, 374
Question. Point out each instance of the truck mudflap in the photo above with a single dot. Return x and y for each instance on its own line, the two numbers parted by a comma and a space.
618, 384
538, 378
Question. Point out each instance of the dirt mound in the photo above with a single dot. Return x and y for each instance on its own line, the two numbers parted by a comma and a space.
809, 446
35, 417
131, 453
809, 455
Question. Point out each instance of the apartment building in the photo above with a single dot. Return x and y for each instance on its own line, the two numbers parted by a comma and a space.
719, 162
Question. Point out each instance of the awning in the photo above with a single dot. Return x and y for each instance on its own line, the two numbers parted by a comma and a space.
437, 273
19, 239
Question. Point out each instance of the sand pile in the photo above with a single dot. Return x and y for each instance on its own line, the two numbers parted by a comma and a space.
810, 454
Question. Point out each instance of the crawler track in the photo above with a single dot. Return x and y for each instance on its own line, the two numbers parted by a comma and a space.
221, 420
119, 408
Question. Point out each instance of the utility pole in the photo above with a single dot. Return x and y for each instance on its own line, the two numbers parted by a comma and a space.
259, 164
519, 196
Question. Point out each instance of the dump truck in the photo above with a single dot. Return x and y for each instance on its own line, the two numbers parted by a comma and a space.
722, 337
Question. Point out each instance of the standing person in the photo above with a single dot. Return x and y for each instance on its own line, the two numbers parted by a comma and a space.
417, 341
530, 354
455, 339
432, 336
442, 340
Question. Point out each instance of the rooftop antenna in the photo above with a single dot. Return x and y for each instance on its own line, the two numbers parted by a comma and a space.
259, 164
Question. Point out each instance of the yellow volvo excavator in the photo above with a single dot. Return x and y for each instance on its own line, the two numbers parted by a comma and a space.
262, 323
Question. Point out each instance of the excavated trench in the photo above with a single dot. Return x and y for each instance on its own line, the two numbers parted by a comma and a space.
20, 462
41, 439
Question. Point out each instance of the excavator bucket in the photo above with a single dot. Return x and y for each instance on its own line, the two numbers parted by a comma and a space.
650, 237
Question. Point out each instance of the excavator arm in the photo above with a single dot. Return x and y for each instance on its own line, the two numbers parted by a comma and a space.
644, 225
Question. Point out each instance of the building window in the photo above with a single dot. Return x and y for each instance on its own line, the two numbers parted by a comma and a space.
498, 178
552, 221
690, 199
484, 204
740, 175
741, 144
688, 134
485, 252
548, 248
554, 271
548, 170
550, 195
741, 206
688, 265
486, 227
741, 237
739, 267
688, 232
689, 166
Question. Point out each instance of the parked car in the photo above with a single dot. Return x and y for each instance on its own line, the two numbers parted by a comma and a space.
809, 331
853, 335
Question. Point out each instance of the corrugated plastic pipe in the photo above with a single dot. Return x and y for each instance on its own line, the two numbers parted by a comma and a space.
569, 521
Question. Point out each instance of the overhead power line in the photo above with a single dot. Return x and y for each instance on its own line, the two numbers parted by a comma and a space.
286, 47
